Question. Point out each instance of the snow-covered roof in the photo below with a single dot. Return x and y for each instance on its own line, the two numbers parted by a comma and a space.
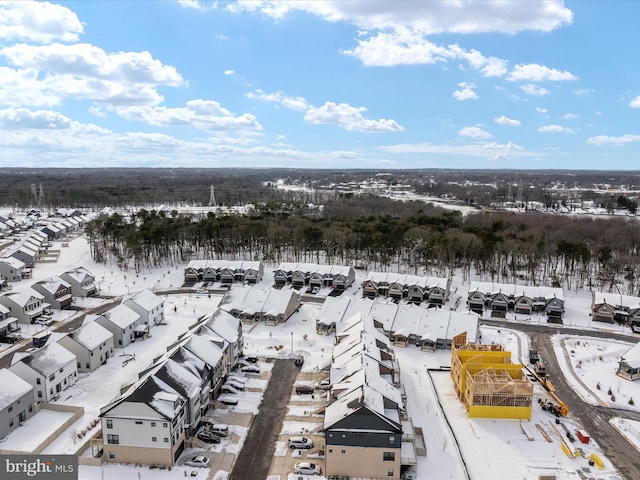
179, 377
333, 308
13, 262
79, 274
91, 335
48, 359
12, 388
52, 284
146, 299
23, 297
224, 324
362, 397
277, 300
189, 361
615, 299
122, 316
204, 349
632, 356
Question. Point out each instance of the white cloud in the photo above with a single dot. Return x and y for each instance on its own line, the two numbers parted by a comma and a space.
293, 103
538, 73
203, 114
541, 110
22, 118
490, 150
534, 90
466, 92
582, 92
428, 17
53, 72
198, 4
555, 129
607, 140
350, 118
474, 132
635, 103
41, 22
570, 116
228, 73
504, 120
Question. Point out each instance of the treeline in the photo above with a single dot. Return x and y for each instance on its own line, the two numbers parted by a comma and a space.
603, 254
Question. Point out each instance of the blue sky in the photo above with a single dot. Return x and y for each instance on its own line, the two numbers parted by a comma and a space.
320, 84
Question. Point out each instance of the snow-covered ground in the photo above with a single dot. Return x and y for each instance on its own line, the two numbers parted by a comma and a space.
490, 448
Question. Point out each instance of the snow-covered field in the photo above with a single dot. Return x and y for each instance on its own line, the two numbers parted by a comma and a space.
490, 448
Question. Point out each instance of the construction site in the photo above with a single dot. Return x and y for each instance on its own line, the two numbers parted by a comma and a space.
488, 383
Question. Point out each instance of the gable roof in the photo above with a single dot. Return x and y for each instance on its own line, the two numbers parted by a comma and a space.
47, 360
91, 335
12, 388
122, 316
146, 299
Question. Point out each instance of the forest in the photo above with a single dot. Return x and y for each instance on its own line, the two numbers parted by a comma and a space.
379, 234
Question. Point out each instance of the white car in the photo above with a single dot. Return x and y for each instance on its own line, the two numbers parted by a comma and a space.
218, 429
307, 468
300, 443
323, 385
198, 461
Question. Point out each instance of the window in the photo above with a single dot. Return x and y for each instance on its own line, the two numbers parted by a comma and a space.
61, 370
138, 422
109, 423
87, 365
30, 408
392, 440
39, 393
344, 451
154, 439
52, 377
38, 381
113, 439
10, 408
390, 472
153, 424
112, 455
10, 422
331, 450
165, 424
388, 456
166, 439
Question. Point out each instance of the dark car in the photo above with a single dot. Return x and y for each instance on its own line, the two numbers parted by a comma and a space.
251, 359
208, 436
304, 389
299, 361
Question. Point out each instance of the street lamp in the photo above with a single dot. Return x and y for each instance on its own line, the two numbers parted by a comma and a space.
292, 344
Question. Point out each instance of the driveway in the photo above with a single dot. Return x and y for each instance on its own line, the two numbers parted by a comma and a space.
259, 447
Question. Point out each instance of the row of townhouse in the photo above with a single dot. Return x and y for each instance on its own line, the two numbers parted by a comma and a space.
223, 271
500, 298
367, 433
273, 306
337, 277
27, 304
28, 249
154, 420
610, 307
416, 289
404, 324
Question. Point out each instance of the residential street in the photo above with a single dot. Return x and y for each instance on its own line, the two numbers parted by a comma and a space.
255, 457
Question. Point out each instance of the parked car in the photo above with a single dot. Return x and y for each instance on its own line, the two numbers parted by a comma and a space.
300, 442
219, 429
304, 389
323, 385
227, 399
11, 338
235, 384
208, 436
307, 468
226, 388
198, 461
299, 361
250, 369
44, 321
251, 359
232, 377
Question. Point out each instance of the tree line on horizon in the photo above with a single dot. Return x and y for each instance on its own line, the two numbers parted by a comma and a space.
379, 234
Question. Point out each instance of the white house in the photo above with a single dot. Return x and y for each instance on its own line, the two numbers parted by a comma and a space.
50, 370
121, 321
147, 426
92, 344
11, 269
17, 403
149, 306
25, 306
83, 283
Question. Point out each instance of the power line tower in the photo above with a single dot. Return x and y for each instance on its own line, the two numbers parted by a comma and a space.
212, 198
